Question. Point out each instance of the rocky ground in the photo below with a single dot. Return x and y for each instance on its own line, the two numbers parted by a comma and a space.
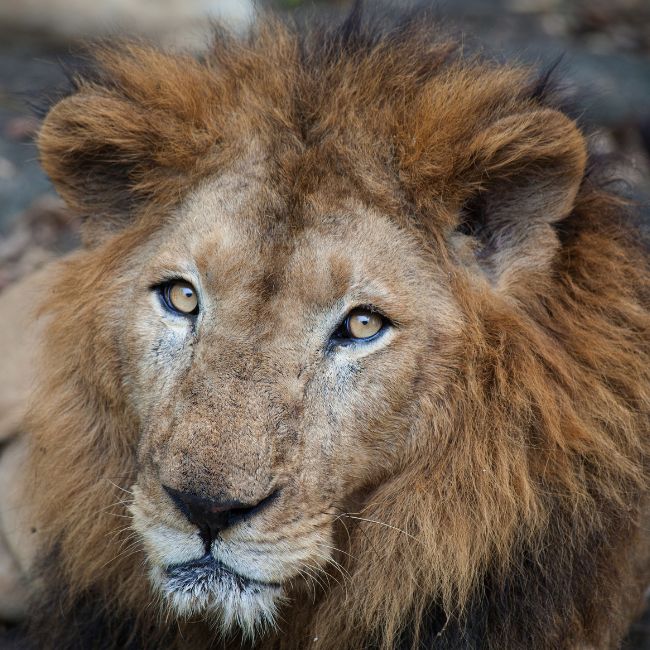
604, 47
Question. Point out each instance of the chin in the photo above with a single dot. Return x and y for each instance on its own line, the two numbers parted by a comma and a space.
206, 587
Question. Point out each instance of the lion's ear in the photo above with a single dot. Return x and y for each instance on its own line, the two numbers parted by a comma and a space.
94, 147
136, 133
526, 171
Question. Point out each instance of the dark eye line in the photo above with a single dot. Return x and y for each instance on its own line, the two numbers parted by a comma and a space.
375, 310
165, 279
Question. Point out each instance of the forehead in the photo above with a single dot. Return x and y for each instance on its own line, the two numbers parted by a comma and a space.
239, 230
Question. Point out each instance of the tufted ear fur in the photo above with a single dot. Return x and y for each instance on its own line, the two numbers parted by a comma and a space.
133, 135
525, 172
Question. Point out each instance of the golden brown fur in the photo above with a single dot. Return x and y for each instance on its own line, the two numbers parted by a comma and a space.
483, 475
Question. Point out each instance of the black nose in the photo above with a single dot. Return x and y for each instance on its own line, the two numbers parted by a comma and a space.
211, 516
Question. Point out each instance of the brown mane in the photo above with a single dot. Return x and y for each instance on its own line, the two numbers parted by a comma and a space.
524, 510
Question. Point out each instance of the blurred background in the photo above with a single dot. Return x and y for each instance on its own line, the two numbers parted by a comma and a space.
605, 67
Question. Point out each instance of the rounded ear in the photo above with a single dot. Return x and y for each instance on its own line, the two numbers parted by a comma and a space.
140, 131
526, 172
93, 147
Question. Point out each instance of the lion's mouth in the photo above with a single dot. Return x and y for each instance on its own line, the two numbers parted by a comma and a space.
206, 575
206, 584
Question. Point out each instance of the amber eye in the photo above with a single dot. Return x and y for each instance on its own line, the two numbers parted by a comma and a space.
361, 324
180, 296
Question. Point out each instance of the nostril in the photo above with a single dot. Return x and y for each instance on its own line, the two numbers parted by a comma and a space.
179, 498
239, 514
214, 515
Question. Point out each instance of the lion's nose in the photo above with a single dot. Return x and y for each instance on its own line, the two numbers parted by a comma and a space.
212, 516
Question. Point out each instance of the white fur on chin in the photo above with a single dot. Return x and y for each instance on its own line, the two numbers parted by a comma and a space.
203, 588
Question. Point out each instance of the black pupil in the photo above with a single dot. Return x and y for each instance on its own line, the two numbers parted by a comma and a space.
187, 292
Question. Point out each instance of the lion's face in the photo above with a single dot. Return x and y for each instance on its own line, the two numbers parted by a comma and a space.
256, 400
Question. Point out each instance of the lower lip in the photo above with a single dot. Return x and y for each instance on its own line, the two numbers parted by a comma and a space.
208, 564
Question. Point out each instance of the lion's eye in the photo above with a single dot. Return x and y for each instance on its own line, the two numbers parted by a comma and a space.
180, 297
361, 324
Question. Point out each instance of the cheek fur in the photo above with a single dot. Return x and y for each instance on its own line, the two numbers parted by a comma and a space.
160, 351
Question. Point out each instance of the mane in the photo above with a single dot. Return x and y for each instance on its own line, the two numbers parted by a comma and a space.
532, 463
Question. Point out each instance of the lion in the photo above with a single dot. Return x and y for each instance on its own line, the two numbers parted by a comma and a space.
355, 355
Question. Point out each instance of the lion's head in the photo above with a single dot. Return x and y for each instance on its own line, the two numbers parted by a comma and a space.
343, 349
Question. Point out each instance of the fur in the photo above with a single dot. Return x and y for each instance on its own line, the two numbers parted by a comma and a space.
495, 492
